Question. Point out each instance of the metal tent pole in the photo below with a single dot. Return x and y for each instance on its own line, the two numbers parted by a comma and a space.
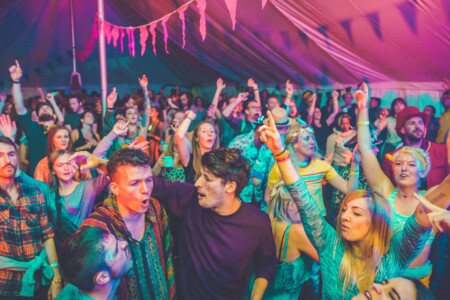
102, 56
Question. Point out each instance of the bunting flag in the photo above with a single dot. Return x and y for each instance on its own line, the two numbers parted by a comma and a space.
374, 19
324, 31
409, 13
231, 5
117, 34
346, 24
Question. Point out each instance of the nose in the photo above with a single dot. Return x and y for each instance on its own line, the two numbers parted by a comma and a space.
403, 167
143, 188
345, 216
198, 182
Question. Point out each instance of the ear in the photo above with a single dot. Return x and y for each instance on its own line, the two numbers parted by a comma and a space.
402, 130
102, 278
230, 187
114, 188
246, 111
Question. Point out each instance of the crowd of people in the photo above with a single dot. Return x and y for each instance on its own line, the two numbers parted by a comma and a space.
252, 196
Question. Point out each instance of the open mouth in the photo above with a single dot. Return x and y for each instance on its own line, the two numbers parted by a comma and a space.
368, 295
145, 202
201, 196
403, 175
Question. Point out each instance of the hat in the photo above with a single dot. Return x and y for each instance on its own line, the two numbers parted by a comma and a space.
406, 114
354, 140
307, 96
280, 117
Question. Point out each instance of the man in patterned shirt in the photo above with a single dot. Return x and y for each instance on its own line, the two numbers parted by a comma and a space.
26, 238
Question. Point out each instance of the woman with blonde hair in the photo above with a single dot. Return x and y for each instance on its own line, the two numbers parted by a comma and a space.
360, 251
410, 166
203, 139
291, 242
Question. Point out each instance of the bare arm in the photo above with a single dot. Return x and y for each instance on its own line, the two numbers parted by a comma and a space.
251, 83
230, 108
50, 250
220, 85
16, 73
259, 287
375, 176
180, 138
311, 106
346, 186
304, 244
56, 109
289, 93
332, 116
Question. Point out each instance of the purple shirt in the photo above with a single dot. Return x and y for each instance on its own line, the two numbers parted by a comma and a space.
216, 252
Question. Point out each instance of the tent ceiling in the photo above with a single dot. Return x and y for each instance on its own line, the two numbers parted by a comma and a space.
312, 42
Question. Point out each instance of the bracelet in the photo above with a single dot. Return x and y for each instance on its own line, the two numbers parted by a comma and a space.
363, 123
284, 150
282, 159
54, 265
55, 282
353, 173
282, 156
15, 82
189, 118
256, 90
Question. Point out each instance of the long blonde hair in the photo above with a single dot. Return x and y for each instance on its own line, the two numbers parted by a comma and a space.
363, 274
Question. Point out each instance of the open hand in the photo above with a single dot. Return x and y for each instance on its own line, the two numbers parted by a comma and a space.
289, 89
220, 84
242, 97
7, 127
143, 81
251, 83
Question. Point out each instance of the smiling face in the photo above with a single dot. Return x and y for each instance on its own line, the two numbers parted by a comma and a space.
206, 136
406, 171
61, 139
317, 114
414, 129
392, 289
132, 186
88, 119
398, 106
64, 169
75, 105
356, 220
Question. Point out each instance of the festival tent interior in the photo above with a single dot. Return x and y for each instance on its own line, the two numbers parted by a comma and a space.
400, 47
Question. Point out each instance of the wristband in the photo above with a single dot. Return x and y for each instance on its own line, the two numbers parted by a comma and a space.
284, 150
363, 123
353, 173
189, 118
55, 282
15, 81
256, 90
284, 158
54, 265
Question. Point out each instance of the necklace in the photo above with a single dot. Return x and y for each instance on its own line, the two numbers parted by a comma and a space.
361, 258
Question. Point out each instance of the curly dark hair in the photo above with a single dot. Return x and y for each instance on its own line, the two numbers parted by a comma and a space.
127, 157
229, 165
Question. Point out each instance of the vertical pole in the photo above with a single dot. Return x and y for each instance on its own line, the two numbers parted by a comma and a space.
102, 55
72, 25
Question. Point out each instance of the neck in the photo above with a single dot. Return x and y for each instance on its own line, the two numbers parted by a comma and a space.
87, 127
66, 186
362, 250
303, 160
7, 184
406, 192
229, 207
410, 143
105, 292
80, 111
204, 150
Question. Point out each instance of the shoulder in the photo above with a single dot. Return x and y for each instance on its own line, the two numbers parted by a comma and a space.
254, 215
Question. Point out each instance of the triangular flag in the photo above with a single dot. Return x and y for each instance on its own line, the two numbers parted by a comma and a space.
143, 36
303, 36
324, 31
346, 24
231, 5
153, 33
115, 34
264, 2
166, 34
374, 19
201, 5
183, 23
409, 13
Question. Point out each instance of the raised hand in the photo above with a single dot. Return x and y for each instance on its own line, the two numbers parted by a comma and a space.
361, 99
251, 83
111, 99
7, 127
143, 81
289, 89
270, 136
439, 217
86, 160
220, 84
120, 128
335, 94
50, 97
15, 71
137, 144
242, 97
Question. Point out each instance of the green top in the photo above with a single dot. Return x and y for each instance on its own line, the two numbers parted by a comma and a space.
405, 245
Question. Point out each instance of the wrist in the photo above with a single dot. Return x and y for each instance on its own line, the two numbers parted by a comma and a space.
15, 81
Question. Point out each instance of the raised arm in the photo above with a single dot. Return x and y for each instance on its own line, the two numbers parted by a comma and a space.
289, 93
181, 140
7, 127
16, 74
319, 232
56, 109
220, 85
332, 116
241, 97
346, 186
143, 82
311, 106
372, 170
251, 83
119, 129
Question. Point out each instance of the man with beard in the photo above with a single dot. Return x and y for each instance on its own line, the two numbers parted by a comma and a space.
411, 127
72, 118
26, 237
252, 111
93, 261
35, 132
